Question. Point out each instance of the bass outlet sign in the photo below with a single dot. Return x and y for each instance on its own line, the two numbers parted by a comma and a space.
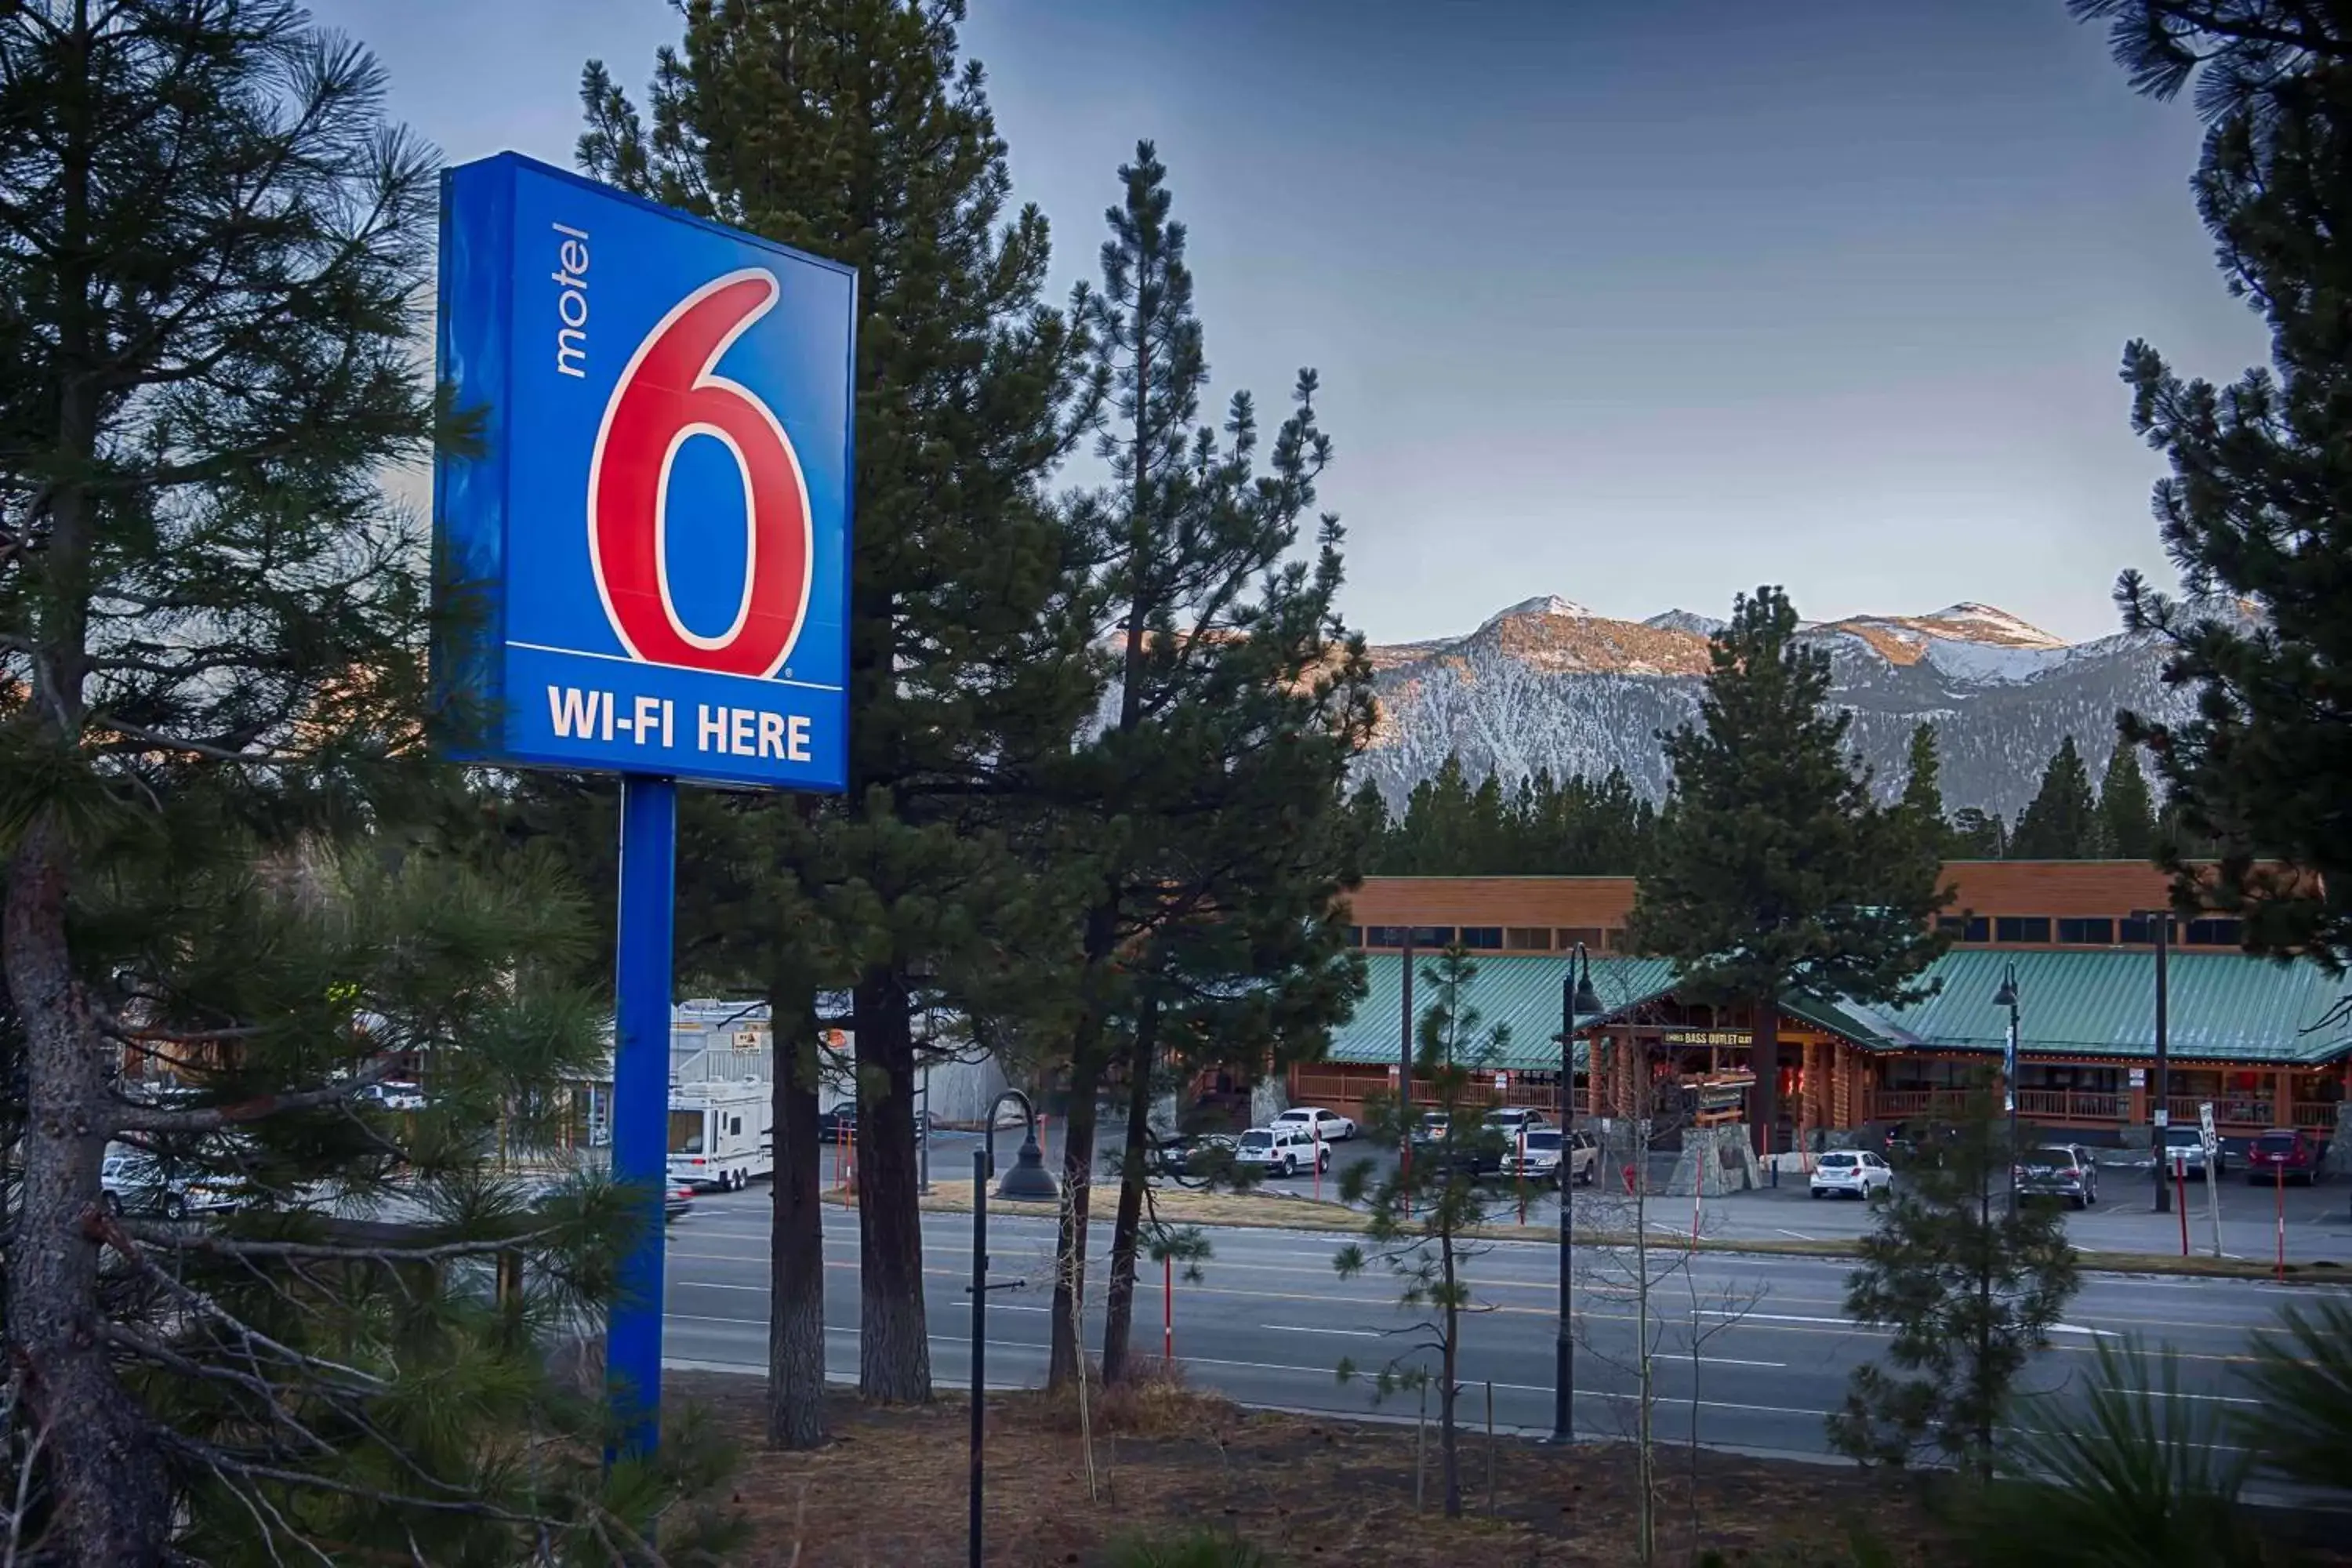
646, 560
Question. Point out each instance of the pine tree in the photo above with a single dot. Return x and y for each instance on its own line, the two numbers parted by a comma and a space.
851, 128
1239, 702
1971, 1292
1376, 835
1424, 1213
2127, 809
2062, 821
1772, 868
2253, 514
1923, 792
223, 921
1978, 835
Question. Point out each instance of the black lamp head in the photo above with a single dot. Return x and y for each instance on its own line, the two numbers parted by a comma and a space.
1029, 1178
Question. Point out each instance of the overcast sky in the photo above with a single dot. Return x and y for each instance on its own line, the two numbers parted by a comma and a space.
1636, 304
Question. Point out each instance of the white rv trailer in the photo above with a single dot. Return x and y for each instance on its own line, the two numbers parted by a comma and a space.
721, 1134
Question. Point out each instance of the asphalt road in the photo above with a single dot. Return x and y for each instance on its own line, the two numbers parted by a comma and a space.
1756, 1350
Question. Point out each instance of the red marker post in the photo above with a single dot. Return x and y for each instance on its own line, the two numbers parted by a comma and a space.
2180, 1190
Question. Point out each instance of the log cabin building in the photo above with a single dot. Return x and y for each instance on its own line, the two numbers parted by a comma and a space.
2266, 1044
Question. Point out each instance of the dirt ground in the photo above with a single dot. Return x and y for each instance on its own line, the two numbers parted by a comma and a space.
890, 1490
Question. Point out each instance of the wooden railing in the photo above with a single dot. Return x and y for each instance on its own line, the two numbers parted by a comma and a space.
1902, 1104
2319, 1115
2071, 1106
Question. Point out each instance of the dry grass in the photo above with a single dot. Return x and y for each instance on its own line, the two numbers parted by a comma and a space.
889, 1491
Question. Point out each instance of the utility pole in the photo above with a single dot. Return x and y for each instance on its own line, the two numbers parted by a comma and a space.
1576, 996
2163, 1075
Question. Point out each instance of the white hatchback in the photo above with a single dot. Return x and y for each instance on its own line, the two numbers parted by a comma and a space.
1852, 1174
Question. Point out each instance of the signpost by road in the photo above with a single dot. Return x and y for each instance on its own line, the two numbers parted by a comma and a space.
2212, 1142
643, 565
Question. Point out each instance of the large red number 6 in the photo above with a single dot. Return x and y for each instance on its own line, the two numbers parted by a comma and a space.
667, 394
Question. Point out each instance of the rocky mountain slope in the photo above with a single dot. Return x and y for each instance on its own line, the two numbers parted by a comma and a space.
1549, 685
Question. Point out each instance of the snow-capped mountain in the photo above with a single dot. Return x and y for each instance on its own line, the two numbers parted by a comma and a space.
1549, 685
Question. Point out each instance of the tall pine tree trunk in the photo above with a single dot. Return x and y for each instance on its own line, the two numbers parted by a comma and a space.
894, 1350
1067, 1362
111, 1505
1134, 1170
796, 1235
1764, 1060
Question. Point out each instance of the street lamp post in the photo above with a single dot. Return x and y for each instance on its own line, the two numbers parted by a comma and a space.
2007, 997
1027, 1179
1576, 997
2160, 1116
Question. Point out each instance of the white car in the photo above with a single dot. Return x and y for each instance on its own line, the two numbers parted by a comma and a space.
1511, 1120
1283, 1151
1328, 1125
1852, 1173
132, 1183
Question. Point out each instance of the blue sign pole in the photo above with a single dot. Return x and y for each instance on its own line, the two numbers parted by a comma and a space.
641, 1097
644, 566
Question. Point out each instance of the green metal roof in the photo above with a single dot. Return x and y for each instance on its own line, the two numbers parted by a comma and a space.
1520, 992
2224, 1007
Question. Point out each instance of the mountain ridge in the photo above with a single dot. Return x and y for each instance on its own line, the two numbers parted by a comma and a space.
1547, 684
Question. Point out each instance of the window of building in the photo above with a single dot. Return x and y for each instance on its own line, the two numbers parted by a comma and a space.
1432, 936
1980, 929
1384, 936
2134, 931
1612, 939
2213, 933
1528, 939
2086, 933
1485, 938
1355, 936
1588, 935
2022, 928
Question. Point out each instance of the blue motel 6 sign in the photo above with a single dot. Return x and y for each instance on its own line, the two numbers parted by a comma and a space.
652, 548
647, 563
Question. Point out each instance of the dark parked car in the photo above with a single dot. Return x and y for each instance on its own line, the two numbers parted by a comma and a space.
2288, 1154
1919, 1142
2060, 1171
841, 1122
1194, 1153
677, 1201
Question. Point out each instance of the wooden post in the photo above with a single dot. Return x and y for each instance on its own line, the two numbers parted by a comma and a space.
2282, 1097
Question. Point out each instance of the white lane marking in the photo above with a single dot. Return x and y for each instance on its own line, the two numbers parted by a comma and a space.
2179, 1394
1341, 1333
2074, 1328
1798, 1235
1734, 1315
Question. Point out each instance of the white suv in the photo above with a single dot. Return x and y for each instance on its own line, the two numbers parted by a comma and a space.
1283, 1151
1852, 1173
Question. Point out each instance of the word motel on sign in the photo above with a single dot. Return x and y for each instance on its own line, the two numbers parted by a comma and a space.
579, 714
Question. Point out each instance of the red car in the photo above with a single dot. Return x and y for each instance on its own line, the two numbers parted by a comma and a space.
2288, 1154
